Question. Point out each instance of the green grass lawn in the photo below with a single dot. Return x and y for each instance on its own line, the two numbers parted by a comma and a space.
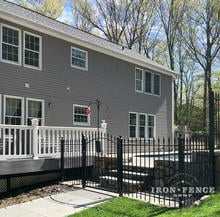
124, 207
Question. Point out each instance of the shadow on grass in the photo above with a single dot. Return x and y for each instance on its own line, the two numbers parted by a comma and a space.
134, 210
156, 212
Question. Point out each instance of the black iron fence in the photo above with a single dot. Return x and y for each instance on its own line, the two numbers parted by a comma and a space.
169, 172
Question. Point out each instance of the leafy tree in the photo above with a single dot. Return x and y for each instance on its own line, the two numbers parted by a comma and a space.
49, 8
125, 22
201, 35
171, 13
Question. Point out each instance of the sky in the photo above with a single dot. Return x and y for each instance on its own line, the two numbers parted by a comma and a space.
67, 13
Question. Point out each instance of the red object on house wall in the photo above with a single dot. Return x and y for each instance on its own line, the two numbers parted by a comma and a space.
88, 111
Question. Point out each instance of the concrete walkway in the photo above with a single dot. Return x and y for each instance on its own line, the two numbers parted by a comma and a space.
58, 205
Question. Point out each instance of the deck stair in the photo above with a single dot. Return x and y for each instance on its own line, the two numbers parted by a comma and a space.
134, 179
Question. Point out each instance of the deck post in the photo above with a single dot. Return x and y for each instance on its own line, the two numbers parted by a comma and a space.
35, 137
104, 130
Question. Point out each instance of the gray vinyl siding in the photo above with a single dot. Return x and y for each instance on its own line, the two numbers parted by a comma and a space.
109, 79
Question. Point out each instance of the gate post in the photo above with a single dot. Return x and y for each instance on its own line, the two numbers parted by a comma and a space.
62, 159
119, 167
211, 136
83, 161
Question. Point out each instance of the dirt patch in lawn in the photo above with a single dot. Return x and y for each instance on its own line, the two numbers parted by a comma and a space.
28, 194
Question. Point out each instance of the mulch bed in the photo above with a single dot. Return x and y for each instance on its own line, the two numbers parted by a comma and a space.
29, 193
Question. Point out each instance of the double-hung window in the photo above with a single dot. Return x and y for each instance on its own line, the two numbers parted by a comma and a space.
156, 88
32, 50
10, 44
35, 109
79, 58
80, 116
151, 126
133, 125
147, 82
13, 110
141, 125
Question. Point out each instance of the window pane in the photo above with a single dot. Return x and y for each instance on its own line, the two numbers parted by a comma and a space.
151, 120
9, 53
31, 58
13, 107
10, 36
133, 120
156, 84
138, 74
132, 133
150, 132
32, 42
148, 82
142, 132
142, 120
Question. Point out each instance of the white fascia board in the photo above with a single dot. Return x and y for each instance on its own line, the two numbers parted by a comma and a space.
146, 63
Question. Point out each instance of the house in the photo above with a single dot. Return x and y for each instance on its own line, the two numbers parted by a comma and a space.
54, 72
56, 81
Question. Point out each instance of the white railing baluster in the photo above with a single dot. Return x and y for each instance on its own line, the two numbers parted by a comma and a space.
20, 143
18, 140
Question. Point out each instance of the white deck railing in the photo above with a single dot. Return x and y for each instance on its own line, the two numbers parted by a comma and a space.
18, 141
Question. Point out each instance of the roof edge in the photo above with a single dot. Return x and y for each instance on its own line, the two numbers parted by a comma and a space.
120, 54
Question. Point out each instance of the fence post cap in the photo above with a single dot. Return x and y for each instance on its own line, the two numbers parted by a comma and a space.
34, 122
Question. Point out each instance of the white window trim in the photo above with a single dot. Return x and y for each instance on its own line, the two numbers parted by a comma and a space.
22, 104
43, 109
19, 45
142, 82
79, 123
40, 51
77, 67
